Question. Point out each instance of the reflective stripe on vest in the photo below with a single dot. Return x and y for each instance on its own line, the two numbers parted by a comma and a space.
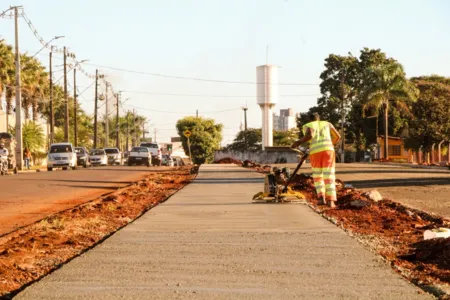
321, 136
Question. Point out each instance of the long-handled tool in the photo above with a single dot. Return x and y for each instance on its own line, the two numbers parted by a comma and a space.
304, 153
274, 192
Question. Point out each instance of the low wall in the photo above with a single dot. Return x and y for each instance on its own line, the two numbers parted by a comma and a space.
260, 157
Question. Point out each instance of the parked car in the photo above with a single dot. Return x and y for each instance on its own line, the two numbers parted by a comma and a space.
114, 156
155, 152
98, 157
61, 155
139, 156
167, 160
82, 156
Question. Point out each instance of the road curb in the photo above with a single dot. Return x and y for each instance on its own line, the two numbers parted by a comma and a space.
405, 165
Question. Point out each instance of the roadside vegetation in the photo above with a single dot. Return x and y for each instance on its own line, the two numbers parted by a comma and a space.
36, 105
370, 92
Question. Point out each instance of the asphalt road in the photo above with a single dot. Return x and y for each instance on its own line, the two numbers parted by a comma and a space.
26, 198
209, 241
426, 189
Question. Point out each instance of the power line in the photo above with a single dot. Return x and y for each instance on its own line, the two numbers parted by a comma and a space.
38, 36
183, 113
194, 78
213, 96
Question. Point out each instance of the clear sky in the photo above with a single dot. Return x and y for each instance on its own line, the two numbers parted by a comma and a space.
226, 40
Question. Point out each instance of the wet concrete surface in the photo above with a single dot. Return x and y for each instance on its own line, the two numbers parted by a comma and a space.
210, 242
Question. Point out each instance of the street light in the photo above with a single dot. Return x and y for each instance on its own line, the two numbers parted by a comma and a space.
55, 38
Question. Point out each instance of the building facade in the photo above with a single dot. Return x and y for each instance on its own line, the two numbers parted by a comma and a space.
285, 121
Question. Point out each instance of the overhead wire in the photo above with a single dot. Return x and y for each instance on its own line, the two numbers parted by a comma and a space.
194, 78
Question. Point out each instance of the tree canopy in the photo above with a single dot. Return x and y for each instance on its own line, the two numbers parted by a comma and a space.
205, 139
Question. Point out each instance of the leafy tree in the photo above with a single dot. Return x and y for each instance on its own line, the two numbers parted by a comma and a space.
285, 138
254, 140
205, 138
431, 123
32, 135
6, 73
339, 83
387, 85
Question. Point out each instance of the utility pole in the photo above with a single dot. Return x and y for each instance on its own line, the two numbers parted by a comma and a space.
245, 127
95, 109
107, 115
117, 120
342, 121
52, 112
75, 124
66, 122
134, 129
128, 131
197, 113
19, 145
155, 135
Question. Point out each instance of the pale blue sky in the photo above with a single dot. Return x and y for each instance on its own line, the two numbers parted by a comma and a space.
226, 40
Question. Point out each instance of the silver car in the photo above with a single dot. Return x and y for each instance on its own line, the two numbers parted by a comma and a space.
61, 155
114, 156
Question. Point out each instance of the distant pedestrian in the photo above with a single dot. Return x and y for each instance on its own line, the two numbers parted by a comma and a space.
322, 136
27, 158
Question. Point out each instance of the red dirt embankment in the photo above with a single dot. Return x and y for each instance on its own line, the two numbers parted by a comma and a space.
36, 250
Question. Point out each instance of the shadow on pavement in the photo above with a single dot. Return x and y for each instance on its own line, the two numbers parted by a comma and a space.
90, 186
415, 171
227, 180
399, 182
80, 181
208, 204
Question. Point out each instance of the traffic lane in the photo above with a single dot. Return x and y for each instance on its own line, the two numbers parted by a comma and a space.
425, 189
26, 198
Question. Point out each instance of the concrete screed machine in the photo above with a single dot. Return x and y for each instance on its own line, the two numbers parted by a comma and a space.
276, 184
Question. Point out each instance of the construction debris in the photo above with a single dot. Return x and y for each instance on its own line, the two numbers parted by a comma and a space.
436, 233
229, 160
374, 195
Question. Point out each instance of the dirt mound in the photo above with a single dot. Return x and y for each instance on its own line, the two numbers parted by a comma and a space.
229, 160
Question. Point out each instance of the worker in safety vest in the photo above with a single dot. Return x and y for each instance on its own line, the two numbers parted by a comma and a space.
322, 136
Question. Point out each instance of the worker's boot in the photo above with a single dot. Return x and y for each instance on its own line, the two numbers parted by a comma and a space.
322, 201
332, 204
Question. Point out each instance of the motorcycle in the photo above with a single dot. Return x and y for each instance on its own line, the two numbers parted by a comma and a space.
3, 165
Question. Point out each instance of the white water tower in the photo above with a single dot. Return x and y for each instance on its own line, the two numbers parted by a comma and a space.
267, 98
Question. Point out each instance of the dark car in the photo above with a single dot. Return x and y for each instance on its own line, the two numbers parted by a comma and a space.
82, 156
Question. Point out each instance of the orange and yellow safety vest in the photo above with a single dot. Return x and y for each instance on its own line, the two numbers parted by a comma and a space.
321, 136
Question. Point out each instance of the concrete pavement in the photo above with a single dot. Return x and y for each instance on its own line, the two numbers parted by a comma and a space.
209, 242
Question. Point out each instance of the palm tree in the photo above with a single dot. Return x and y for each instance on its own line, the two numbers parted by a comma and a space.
387, 84
6, 73
34, 85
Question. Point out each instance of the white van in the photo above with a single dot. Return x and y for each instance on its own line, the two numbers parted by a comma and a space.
61, 155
